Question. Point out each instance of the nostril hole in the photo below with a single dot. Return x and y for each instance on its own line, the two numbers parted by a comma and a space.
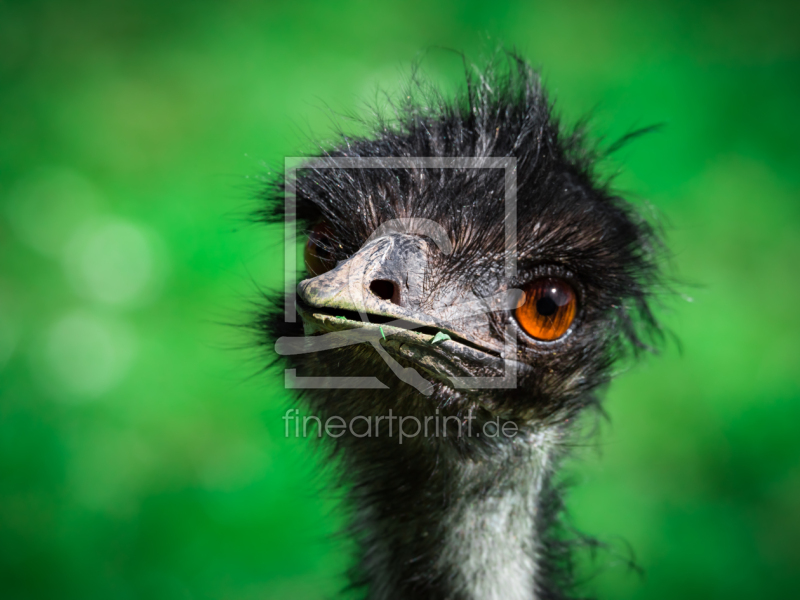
382, 289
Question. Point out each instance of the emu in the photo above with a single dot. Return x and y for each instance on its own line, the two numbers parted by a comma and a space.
421, 301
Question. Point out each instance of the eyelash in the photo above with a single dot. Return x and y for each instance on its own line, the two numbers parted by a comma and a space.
527, 274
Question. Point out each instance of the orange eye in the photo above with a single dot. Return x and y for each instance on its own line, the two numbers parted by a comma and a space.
547, 309
317, 254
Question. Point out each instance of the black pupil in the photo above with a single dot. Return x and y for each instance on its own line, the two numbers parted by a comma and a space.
322, 251
546, 306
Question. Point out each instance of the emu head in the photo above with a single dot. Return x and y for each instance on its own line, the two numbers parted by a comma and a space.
442, 281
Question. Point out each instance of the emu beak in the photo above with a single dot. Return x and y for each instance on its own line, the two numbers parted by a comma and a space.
346, 306
383, 283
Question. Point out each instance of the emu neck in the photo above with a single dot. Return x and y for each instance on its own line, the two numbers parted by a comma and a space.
433, 524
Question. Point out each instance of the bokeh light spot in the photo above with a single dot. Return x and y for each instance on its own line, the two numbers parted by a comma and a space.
45, 207
87, 354
114, 262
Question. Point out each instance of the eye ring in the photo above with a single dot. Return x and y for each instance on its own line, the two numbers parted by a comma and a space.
547, 308
317, 253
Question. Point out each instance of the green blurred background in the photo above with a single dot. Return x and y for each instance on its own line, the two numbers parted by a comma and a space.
141, 451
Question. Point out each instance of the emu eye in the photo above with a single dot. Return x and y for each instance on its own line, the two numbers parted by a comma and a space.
547, 309
317, 254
